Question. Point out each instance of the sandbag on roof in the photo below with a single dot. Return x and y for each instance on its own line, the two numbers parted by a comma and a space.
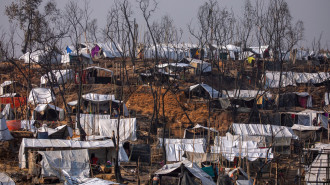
74, 162
175, 148
41, 95
61, 76
192, 167
212, 92
4, 132
5, 179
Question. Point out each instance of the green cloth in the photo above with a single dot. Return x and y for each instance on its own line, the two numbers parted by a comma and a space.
209, 170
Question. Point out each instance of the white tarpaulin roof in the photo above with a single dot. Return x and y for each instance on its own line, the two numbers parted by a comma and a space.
263, 130
91, 123
40, 56
232, 146
192, 167
61, 76
74, 162
97, 181
127, 128
58, 143
99, 68
317, 170
169, 51
5, 179
175, 148
205, 66
98, 97
292, 78
212, 92
110, 50
197, 127
238, 93
41, 95
4, 132
4, 84
174, 65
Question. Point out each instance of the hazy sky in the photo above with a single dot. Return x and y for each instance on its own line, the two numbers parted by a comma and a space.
315, 14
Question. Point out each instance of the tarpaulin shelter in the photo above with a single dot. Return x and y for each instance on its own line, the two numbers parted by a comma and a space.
74, 162
9, 87
200, 66
264, 134
169, 51
302, 99
4, 132
97, 75
308, 134
175, 168
60, 132
8, 113
204, 90
307, 117
102, 104
107, 50
317, 172
48, 112
175, 148
72, 58
198, 131
104, 150
231, 146
57, 77
42, 57
102, 125
290, 78
41, 96
5, 179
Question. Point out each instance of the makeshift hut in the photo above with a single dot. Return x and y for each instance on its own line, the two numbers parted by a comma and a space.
200, 66
48, 112
4, 132
199, 131
10, 87
57, 77
95, 75
203, 90
188, 170
74, 59
41, 96
42, 57
103, 150
175, 148
106, 50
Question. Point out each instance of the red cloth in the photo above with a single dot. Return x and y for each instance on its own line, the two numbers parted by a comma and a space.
303, 101
94, 160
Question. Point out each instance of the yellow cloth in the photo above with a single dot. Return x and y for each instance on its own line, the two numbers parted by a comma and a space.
250, 59
259, 100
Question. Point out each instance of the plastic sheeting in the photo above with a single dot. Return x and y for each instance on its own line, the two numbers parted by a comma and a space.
4, 84
74, 162
5, 179
4, 132
317, 170
175, 148
231, 146
202, 65
41, 56
98, 97
97, 181
99, 68
8, 113
292, 78
41, 95
127, 128
326, 98
169, 51
111, 50
60, 77
91, 123
198, 126
212, 92
43, 107
58, 143
193, 169
238, 93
